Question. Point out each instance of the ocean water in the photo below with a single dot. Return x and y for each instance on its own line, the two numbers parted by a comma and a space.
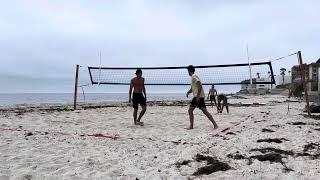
67, 98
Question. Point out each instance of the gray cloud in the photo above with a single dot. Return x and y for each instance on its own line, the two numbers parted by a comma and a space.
47, 38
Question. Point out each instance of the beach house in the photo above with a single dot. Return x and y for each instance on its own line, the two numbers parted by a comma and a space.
312, 77
247, 88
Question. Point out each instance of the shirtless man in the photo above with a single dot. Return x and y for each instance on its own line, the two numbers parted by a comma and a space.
139, 96
222, 98
198, 99
212, 94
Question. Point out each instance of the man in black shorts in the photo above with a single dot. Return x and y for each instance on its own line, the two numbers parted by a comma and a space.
198, 100
222, 98
212, 94
139, 96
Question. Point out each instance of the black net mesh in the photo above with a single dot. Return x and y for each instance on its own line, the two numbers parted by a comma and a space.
219, 74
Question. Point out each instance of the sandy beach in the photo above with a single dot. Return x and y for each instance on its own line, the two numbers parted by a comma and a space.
257, 142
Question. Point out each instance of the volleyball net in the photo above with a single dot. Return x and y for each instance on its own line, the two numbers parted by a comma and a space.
228, 74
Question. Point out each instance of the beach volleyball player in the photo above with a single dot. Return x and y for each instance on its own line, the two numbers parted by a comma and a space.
198, 98
138, 97
212, 94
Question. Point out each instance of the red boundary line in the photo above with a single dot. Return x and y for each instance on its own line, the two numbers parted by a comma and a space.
228, 128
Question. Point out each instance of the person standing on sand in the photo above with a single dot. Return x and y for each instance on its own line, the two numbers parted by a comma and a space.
138, 96
212, 94
198, 99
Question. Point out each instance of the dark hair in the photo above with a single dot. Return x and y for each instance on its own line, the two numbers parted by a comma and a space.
138, 71
191, 69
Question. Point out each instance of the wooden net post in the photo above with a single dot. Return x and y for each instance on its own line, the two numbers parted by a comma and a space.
303, 76
76, 88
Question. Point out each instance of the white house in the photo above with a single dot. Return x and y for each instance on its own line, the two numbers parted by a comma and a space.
254, 88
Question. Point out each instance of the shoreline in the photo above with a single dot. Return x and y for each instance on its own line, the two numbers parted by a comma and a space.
46, 107
65, 99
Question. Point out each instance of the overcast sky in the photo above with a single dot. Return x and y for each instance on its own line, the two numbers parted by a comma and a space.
42, 41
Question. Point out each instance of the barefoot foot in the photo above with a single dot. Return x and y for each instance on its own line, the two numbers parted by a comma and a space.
140, 123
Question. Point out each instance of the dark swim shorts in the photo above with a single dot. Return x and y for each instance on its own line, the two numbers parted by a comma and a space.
138, 98
199, 104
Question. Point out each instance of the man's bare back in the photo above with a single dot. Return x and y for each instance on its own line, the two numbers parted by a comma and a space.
138, 84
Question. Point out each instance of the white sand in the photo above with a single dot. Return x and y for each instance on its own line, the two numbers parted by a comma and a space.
146, 152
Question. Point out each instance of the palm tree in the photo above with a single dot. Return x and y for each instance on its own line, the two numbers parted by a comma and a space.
283, 73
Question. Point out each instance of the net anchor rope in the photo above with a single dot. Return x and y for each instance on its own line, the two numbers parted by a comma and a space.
274, 59
277, 59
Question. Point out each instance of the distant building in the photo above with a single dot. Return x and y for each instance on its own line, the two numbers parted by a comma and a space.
296, 74
245, 85
247, 88
312, 77
282, 80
